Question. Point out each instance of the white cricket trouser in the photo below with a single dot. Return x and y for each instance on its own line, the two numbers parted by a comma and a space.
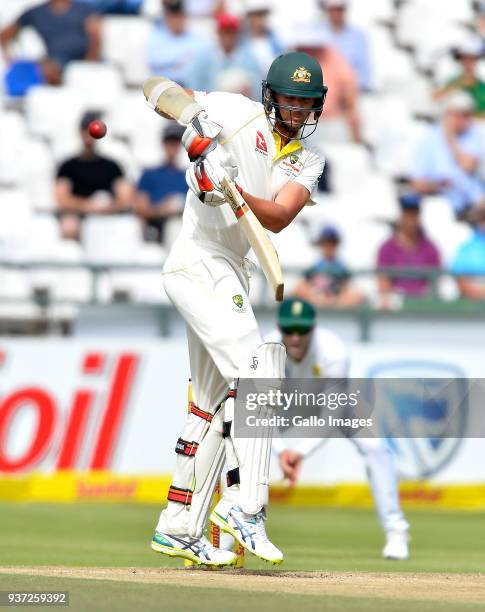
382, 476
211, 294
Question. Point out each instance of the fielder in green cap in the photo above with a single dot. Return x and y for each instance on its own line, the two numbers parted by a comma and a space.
315, 352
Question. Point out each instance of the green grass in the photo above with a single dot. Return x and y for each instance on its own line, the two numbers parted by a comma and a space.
118, 535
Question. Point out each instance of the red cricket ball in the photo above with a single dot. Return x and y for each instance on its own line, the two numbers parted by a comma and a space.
97, 129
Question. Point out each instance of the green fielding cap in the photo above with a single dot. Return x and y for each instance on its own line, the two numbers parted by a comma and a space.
296, 313
296, 74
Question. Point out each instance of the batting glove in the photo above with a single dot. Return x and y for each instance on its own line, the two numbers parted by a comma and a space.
205, 175
200, 136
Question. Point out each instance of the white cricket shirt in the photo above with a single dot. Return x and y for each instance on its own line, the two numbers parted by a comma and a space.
263, 169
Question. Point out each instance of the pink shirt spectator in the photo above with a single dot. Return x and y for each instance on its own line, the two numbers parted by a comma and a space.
424, 255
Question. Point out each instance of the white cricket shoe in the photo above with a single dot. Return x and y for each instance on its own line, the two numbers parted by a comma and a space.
198, 550
396, 547
249, 530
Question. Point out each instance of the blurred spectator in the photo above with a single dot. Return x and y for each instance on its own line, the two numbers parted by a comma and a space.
115, 7
229, 53
449, 158
468, 54
235, 81
480, 23
339, 77
173, 48
161, 191
327, 282
349, 40
261, 41
70, 31
89, 184
470, 259
204, 8
408, 247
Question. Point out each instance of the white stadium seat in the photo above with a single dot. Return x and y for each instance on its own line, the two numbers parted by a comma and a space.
349, 165
112, 239
100, 85
11, 9
439, 223
36, 167
361, 242
124, 44
13, 135
366, 13
294, 249
54, 112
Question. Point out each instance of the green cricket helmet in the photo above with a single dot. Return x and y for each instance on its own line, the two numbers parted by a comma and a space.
295, 313
294, 74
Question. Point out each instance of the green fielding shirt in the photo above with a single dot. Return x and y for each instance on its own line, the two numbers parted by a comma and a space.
476, 91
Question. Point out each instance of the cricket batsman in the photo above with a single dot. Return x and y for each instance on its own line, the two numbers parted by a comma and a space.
259, 146
314, 352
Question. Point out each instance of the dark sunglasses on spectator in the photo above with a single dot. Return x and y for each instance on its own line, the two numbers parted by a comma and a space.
301, 331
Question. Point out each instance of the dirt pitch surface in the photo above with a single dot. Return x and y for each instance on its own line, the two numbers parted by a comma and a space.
439, 587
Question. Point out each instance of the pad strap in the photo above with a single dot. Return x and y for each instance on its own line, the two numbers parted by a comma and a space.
186, 448
232, 477
181, 496
207, 416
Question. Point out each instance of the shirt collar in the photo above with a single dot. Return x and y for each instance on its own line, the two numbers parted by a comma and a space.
290, 147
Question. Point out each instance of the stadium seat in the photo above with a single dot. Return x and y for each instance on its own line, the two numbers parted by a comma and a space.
111, 239
100, 85
73, 284
11, 9
350, 165
54, 112
15, 217
124, 44
36, 167
122, 154
395, 146
14, 285
293, 247
367, 13
439, 223
13, 135
361, 242
131, 119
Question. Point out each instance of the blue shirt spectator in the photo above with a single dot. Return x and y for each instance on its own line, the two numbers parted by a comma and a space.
69, 30
172, 48
229, 54
326, 283
349, 40
448, 158
161, 191
470, 260
115, 7
261, 41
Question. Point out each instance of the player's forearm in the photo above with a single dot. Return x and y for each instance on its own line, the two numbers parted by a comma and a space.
470, 289
271, 215
93, 29
72, 203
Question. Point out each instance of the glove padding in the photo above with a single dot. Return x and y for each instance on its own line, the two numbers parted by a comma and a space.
204, 177
200, 136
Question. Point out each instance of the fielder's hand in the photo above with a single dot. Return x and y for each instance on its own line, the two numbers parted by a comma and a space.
205, 175
290, 464
200, 136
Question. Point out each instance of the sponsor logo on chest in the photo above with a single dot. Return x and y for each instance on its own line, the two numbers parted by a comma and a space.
292, 165
261, 146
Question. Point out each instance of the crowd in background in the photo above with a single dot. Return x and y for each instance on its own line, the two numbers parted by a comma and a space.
234, 54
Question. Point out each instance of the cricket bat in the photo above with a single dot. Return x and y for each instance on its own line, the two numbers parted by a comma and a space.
168, 99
